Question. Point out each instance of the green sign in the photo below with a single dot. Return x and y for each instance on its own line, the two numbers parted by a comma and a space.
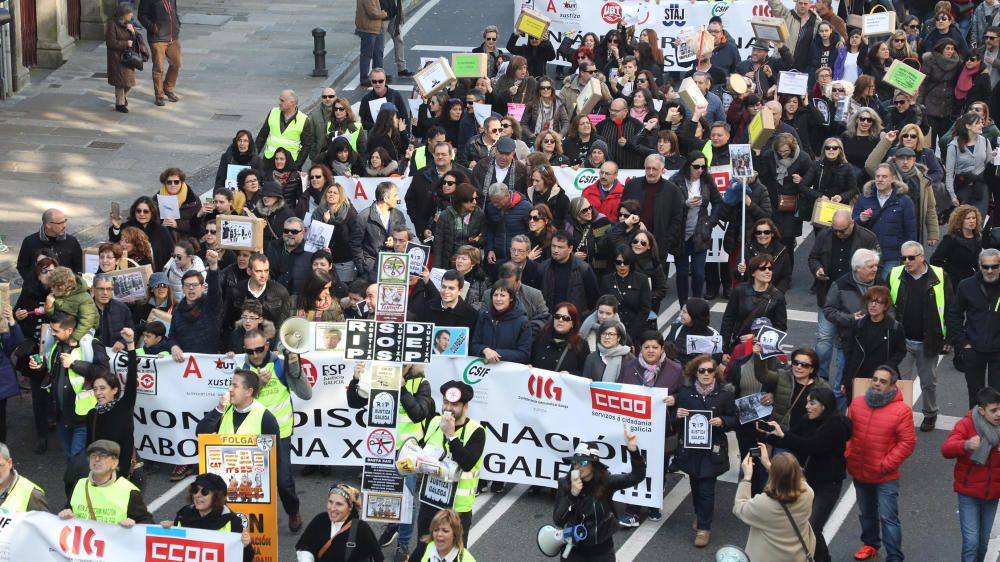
468, 65
904, 77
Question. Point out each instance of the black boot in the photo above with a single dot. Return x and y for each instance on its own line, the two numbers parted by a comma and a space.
43, 446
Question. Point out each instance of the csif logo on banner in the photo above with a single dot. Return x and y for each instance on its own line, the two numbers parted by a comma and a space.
544, 388
720, 8
475, 371
75, 540
613, 400
172, 545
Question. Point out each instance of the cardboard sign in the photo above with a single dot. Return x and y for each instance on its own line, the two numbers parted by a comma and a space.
468, 65
434, 77
906, 387
794, 83
390, 302
761, 128
129, 285
700, 42
420, 258
407, 342
878, 23
824, 210
532, 23
590, 96
248, 464
771, 29
482, 111
393, 267
375, 105
904, 77
698, 429
238, 232
691, 95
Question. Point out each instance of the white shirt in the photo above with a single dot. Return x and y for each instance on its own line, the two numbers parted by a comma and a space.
335, 528
851, 72
256, 294
500, 174
882, 199
450, 557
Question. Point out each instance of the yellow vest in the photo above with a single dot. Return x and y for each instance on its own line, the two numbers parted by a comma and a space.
289, 139
275, 397
110, 502
251, 424
894, 282
463, 555
19, 495
85, 399
405, 428
465, 493
353, 138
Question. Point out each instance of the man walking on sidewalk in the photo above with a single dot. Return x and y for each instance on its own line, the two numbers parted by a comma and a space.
163, 28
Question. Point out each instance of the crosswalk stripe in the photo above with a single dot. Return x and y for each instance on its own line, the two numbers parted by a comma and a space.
640, 537
484, 523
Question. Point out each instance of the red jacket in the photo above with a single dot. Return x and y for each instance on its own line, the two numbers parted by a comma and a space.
981, 482
609, 205
883, 438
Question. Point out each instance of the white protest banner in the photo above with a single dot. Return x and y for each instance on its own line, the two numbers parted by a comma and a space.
320, 234
361, 192
170, 208
42, 537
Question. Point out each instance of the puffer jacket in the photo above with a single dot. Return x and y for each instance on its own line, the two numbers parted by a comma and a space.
883, 438
510, 335
971, 479
504, 224
80, 304
893, 224
706, 463
834, 177
937, 92
608, 204
782, 381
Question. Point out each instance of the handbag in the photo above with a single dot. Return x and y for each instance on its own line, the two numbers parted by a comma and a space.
132, 59
787, 203
802, 541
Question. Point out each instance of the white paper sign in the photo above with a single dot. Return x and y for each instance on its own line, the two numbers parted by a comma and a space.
319, 236
170, 208
657, 104
482, 111
704, 344
374, 106
795, 83
232, 172
414, 104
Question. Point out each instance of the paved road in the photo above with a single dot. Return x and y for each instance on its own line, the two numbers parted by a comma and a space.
506, 524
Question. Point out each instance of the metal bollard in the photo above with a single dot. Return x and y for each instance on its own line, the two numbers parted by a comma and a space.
319, 52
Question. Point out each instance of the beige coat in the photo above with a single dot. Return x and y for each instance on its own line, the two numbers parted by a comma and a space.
771, 534
368, 17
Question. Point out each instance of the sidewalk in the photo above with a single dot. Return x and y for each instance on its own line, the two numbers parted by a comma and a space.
63, 145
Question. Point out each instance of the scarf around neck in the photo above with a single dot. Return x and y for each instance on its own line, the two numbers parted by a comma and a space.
989, 435
181, 195
612, 360
876, 399
704, 389
649, 372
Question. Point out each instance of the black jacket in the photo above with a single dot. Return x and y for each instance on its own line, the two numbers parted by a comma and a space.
115, 316
65, 249
933, 330
189, 517
706, 463
973, 318
787, 222
634, 299
845, 297
782, 277
859, 358
425, 303
834, 178
745, 304
317, 532
668, 226
275, 300
537, 56
552, 355
631, 155
582, 291
291, 269
822, 250
708, 212
420, 196
819, 446
161, 20
195, 328
732, 215
958, 256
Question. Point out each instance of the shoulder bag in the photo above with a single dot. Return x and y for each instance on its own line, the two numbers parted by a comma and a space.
802, 541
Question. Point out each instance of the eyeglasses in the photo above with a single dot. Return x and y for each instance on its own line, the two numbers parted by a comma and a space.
762, 232
142, 211
378, 81
917, 26
496, 130
506, 125
319, 177
470, 102
989, 266
213, 231
638, 242
250, 317
173, 182
193, 285
973, 59
838, 90
620, 262
898, 40
833, 148
865, 119
198, 490
610, 334
910, 258
798, 363
549, 140
448, 182
544, 88
562, 317
991, 37
641, 80
338, 108
765, 268
291, 231
534, 218
326, 97
586, 210
255, 350
705, 370
697, 166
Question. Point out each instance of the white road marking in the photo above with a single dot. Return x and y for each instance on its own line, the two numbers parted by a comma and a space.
443, 48
169, 494
839, 514
410, 22
794, 315
483, 524
993, 551
641, 536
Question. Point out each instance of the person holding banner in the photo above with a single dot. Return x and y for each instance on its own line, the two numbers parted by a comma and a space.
103, 495
464, 441
19, 495
339, 534
205, 508
584, 498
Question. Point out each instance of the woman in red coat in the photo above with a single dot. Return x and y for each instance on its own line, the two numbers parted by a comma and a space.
974, 446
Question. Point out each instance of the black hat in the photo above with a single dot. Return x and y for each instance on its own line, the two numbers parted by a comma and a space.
208, 481
905, 152
506, 145
457, 391
586, 453
270, 188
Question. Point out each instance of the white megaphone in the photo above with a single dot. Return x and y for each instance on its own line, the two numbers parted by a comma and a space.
730, 553
294, 335
552, 540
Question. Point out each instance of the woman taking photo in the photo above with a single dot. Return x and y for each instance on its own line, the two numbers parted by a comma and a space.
548, 143
468, 262
119, 38
941, 67
502, 332
707, 391
579, 140
546, 112
778, 518
584, 498
540, 231
559, 346
611, 353
909, 136
445, 540
241, 152
702, 206
755, 299
765, 238
336, 209
958, 252
818, 441
788, 174
545, 189
144, 215
330, 536
790, 382
968, 153
206, 509
632, 289
459, 225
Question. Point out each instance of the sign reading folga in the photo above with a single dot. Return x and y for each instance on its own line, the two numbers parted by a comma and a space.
406, 342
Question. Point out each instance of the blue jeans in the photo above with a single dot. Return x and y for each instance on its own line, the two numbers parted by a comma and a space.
406, 529
372, 48
878, 506
885, 267
695, 263
975, 517
703, 497
826, 332
72, 439
286, 483
838, 381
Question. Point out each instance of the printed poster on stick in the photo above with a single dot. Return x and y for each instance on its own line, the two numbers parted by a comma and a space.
390, 302
385, 496
248, 464
393, 267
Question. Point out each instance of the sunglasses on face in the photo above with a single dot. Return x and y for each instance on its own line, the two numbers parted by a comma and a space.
586, 210
762, 232
838, 90
549, 140
199, 491
705, 370
326, 97
506, 126
865, 119
316, 177
338, 108
496, 130
910, 258
623, 216
798, 363
378, 81
765, 268
255, 350
142, 211
833, 148
178, 256
697, 166
291, 231
544, 88
909, 136
917, 26
989, 266
942, 18
642, 243
641, 80
561, 317
173, 182
533, 218
612, 41
448, 182
620, 262
898, 40
491, 39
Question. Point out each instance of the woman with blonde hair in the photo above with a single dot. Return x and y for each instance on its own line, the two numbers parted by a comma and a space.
778, 518
909, 136
864, 128
958, 253
446, 539
336, 209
